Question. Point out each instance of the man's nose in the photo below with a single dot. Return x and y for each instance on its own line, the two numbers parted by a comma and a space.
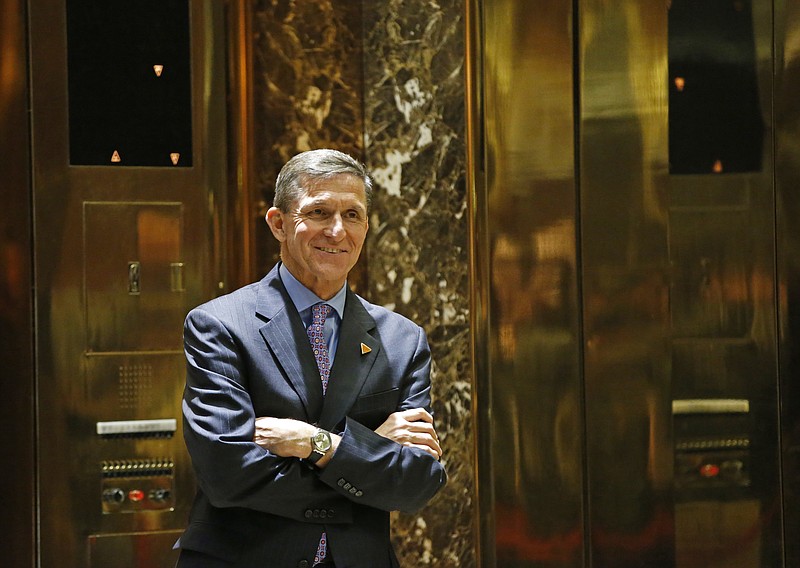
335, 227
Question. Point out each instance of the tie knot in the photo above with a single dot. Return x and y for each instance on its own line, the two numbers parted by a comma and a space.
320, 312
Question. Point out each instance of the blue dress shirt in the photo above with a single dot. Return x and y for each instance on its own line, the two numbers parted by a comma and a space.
303, 299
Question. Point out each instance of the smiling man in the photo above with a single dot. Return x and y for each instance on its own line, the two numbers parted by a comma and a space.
306, 408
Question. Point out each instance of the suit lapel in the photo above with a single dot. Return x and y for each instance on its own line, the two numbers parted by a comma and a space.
286, 337
350, 367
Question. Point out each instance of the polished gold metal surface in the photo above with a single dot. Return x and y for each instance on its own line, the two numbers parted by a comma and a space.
527, 259
629, 330
121, 253
484, 525
625, 276
241, 234
787, 176
16, 281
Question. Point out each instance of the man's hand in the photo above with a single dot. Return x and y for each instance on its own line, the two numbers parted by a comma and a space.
284, 437
412, 428
290, 438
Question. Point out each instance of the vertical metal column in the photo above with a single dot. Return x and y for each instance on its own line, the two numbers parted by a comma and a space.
625, 281
16, 302
128, 179
528, 320
677, 330
787, 176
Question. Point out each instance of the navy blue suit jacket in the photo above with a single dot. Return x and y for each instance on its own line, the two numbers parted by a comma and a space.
248, 356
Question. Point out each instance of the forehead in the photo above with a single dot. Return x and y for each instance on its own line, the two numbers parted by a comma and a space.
344, 188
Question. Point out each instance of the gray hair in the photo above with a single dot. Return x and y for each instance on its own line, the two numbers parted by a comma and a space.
315, 165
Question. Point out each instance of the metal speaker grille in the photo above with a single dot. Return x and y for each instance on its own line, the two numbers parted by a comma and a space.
135, 386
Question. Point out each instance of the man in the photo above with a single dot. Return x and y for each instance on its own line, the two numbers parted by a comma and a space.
300, 452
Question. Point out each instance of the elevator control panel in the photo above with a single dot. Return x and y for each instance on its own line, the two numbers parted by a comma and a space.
134, 485
712, 447
137, 484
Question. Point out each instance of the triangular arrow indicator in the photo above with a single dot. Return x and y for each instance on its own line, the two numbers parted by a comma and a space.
174, 157
158, 69
115, 157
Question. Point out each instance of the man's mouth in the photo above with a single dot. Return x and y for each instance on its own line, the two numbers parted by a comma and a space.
330, 250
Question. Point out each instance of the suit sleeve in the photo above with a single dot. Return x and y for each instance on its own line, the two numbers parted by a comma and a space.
378, 472
219, 424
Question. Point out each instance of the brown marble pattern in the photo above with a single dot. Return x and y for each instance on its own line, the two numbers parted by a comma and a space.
306, 91
384, 80
414, 144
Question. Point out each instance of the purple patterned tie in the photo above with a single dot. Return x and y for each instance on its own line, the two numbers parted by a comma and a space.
320, 312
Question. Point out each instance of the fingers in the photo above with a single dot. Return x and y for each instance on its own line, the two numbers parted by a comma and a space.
428, 444
416, 415
412, 428
422, 435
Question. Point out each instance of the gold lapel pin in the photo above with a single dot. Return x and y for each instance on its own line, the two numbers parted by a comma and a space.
365, 349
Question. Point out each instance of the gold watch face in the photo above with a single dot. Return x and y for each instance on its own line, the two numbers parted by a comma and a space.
322, 441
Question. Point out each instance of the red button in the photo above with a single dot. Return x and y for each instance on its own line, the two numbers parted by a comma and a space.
135, 494
709, 470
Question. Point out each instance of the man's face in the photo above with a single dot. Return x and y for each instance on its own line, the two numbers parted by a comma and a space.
322, 234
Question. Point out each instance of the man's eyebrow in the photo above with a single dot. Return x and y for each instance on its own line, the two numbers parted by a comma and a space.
314, 203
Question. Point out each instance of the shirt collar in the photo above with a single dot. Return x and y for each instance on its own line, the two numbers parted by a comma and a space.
303, 298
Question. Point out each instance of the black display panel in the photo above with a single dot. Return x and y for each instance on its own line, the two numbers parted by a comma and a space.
130, 97
715, 122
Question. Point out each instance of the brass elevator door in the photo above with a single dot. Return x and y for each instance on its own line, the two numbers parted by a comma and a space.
637, 330
128, 123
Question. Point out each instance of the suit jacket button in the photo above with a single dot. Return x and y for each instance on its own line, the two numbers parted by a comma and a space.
359, 493
308, 514
341, 481
302, 564
330, 513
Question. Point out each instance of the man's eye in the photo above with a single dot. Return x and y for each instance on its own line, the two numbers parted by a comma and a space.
316, 213
353, 215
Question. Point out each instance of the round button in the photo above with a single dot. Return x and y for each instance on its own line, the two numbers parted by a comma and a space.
302, 564
709, 470
135, 495
115, 495
308, 514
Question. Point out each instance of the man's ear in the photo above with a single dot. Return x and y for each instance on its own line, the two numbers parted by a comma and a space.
275, 221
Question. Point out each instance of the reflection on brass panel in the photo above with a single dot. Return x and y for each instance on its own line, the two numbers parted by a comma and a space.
133, 550
787, 175
713, 277
718, 534
536, 436
130, 304
632, 317
120, 254
484, 518
625, 278
723, 309
16, 282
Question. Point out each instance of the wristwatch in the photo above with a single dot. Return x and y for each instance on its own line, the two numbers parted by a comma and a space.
320, 445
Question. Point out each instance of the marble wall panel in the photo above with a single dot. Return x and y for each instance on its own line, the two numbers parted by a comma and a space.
384, 80
306, 91
414, 126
